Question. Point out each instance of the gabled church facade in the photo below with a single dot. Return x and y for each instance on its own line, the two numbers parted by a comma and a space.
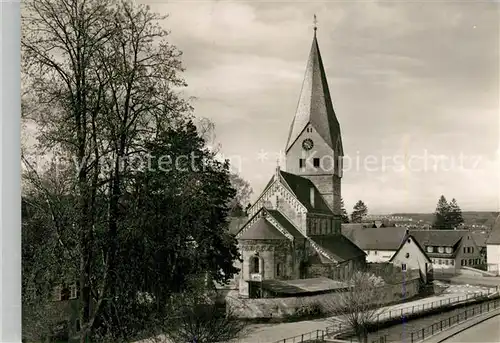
294, 228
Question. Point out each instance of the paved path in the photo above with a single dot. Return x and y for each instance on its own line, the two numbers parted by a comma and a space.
479, 280
468, 289
268, 333
487, 331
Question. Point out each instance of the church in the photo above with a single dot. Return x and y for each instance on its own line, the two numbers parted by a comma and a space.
293, 230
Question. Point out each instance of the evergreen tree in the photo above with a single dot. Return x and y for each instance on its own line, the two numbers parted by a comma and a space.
360, 210
441, 220
343, 212
454, 215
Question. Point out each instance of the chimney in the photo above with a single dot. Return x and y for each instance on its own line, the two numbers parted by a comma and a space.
312, 196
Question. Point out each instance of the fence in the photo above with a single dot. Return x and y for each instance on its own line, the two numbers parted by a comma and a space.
313, 336
421, 334
410, 310
384, 315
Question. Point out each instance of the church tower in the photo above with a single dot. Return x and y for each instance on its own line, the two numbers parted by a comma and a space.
314, 146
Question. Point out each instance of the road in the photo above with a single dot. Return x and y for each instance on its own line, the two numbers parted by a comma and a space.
487, 332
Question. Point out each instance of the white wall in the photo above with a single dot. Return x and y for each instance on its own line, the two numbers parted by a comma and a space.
378, 256
493, 258
411, 255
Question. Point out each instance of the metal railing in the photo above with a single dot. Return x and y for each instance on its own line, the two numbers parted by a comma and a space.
437, 327
313, 336
410, 310
320, 335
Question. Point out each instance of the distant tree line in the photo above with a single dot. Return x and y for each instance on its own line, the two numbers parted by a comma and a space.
448, 215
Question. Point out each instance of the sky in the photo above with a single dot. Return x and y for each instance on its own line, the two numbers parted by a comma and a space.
410, 81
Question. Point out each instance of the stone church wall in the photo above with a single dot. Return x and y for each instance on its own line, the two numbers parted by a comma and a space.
271, 253
284, 307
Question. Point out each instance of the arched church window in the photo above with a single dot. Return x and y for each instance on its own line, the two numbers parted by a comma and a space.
255, 264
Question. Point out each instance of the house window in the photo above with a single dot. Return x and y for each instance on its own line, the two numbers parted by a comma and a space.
446, 262
403, 267
471, 262
254, 264
472, 250
430, 249
302, 163
440, 261
465, 250
441, 250
375, 252
452, 262
449, 250
316, 162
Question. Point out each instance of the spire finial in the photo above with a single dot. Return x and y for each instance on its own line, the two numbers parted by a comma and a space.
315, 21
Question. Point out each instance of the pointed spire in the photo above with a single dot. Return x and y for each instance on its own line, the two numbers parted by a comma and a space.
315, 25
315, 105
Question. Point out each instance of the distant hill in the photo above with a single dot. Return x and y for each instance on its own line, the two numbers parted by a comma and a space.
470, 217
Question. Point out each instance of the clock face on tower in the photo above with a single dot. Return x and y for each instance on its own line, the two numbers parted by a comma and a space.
307, 144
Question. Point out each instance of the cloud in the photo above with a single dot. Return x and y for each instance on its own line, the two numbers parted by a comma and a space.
405, 77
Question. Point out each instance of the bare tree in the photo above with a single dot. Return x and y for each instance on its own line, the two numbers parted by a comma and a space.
198, 317
358, 307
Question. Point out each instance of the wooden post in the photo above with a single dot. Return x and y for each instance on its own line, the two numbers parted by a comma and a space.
423, 334
411, 339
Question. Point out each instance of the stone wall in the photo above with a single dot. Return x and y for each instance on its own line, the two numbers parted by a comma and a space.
283, 307
271, 253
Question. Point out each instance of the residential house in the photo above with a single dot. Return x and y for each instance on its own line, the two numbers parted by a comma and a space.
411, 256
449, 250
480, 237
379, 243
